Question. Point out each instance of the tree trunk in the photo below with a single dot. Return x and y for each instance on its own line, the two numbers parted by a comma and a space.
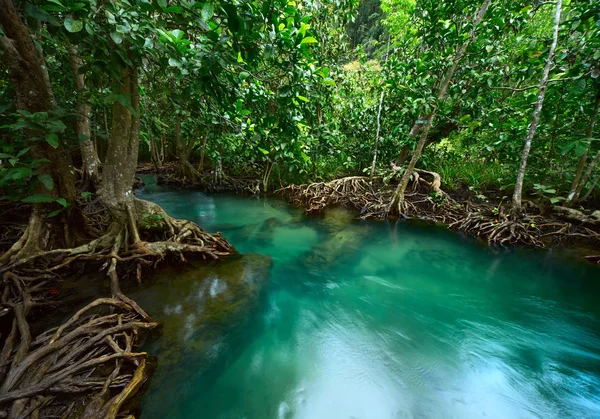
517, 196
375, 149
576, 187
118, 173
26, 69
154, 152
587, 175
89, 157
185, 170
202, 154
397, 204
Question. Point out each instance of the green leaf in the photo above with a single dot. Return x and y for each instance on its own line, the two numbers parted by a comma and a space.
21, 173
174, 63
308, 40
25, 150
63, 202
73, 25
86, 195
46, 181
177, 34
207, 11
123, 29
52, 139
302, 98
262, 150
38, 199
233, 20
116, 37
244, 75
54, 213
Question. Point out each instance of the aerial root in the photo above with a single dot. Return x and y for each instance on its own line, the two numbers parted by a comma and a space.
375, 199
90, 360
209, 183
372, 197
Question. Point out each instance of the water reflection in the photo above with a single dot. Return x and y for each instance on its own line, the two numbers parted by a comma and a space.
376, 320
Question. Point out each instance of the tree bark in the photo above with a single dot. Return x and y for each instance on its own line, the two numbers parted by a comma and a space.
26, 69
118, 173
518, 193
89, 157
202, 153
376, 148
397, 204
577, 186
185, 170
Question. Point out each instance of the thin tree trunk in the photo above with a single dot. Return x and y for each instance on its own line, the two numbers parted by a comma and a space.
397, 204
27, 72
89, 156
202, 153
589, 192
517, 195
587, 174
575, 186
154, 151
184, 169
375, 149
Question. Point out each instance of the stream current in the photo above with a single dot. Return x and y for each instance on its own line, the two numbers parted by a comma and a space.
331, 317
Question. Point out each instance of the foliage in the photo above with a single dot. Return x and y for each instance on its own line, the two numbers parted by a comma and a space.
289, 91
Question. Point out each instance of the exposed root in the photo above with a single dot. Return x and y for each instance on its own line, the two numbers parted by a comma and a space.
426, 200
89, 360
209, 183
499, 229
372, 197
92, 353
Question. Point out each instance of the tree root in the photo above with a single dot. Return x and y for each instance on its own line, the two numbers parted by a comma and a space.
89, 360
372, 197
211, 184
499, 230
427, 200
90, 353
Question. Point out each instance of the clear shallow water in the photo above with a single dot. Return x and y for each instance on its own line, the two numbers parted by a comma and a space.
370, 320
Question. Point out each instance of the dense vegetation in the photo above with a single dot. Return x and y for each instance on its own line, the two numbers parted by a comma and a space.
498, 97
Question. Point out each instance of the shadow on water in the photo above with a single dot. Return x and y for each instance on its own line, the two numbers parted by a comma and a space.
205, 312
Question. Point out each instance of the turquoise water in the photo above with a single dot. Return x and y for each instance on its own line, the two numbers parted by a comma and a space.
352, 319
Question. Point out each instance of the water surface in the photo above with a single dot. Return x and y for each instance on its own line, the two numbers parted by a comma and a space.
369, 320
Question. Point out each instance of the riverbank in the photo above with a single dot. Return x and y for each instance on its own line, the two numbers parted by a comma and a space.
486, 217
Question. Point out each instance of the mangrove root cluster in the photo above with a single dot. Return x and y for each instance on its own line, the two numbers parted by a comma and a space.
371, 196
426, 200
85, 368
88, 367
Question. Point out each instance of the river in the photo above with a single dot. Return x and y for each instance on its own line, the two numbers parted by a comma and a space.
363, 319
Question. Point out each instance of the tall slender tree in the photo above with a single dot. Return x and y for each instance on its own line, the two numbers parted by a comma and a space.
516, 211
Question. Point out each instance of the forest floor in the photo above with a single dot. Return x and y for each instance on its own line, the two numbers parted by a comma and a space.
487, 218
